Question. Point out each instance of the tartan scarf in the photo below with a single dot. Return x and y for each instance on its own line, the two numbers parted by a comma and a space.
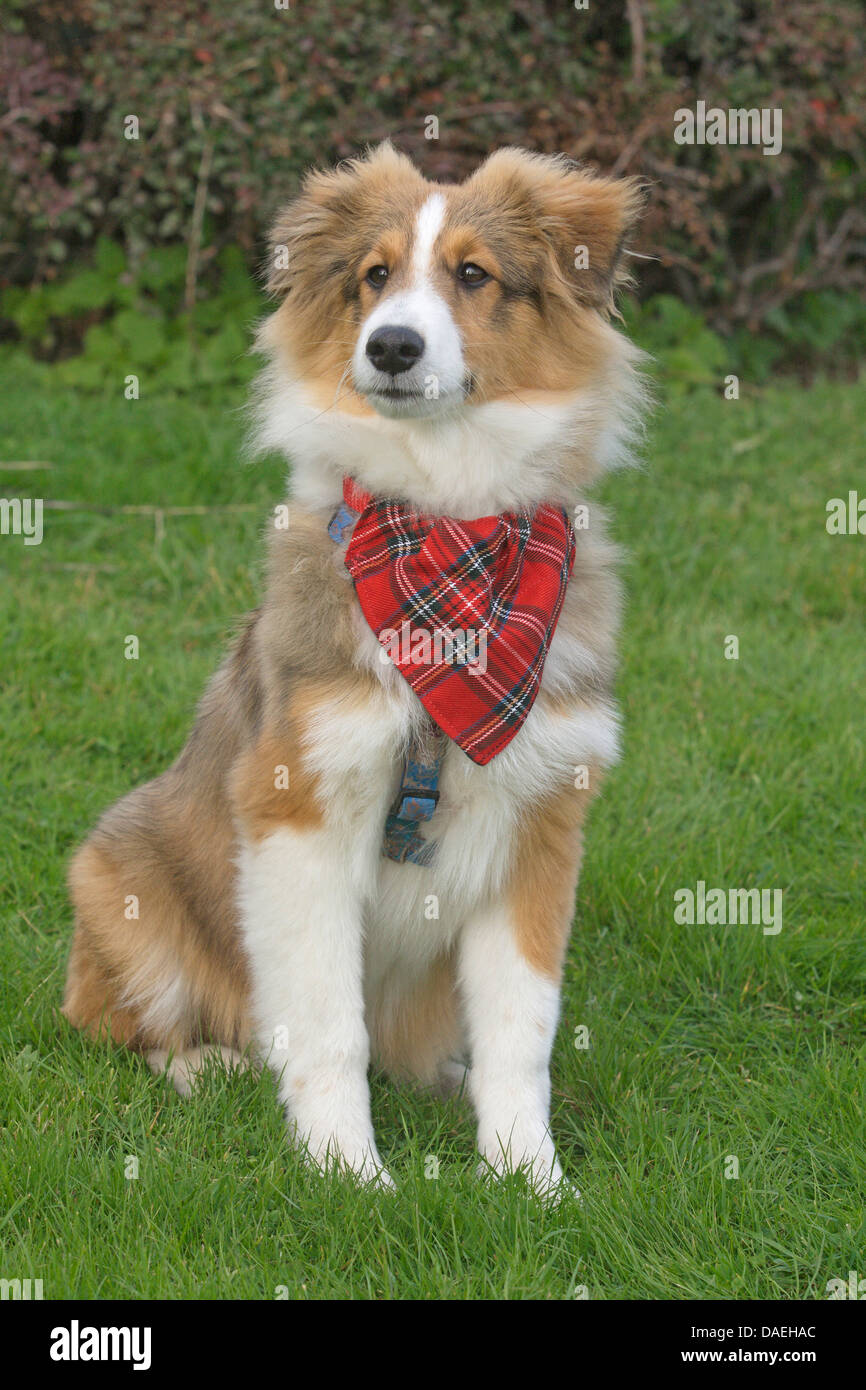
465, 609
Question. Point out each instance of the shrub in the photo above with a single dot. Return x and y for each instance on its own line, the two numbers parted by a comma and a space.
234, 102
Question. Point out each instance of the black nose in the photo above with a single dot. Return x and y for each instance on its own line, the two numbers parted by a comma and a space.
393, 349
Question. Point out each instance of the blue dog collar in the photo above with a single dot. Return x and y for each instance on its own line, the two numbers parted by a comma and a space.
418, 795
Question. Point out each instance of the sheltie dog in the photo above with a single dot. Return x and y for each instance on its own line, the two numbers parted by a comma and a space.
368, 853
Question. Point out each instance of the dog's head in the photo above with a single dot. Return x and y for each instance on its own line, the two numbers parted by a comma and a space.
414, 301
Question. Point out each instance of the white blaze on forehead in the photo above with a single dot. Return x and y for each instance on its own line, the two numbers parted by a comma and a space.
439, 373
428, 225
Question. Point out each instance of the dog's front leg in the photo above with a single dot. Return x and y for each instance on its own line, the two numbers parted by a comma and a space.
511, 955
302, 925
511, 1010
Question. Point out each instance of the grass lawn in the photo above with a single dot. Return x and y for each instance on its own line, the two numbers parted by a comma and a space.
705, 1041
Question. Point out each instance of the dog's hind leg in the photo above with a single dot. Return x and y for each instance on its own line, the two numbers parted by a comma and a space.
183, 1069
452, 1077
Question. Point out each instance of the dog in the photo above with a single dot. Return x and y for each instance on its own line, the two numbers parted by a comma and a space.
368, 850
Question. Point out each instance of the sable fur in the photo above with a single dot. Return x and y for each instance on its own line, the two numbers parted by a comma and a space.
552, 399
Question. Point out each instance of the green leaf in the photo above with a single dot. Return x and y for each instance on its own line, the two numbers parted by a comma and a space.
110, 260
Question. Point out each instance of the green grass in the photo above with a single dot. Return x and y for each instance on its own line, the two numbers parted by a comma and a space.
705, 1041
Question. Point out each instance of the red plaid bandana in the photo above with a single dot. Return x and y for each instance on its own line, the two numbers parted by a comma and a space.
465, 609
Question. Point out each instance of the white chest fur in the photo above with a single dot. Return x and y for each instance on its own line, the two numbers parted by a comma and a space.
412, 912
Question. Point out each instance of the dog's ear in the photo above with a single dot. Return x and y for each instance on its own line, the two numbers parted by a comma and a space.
585, 219
314, 232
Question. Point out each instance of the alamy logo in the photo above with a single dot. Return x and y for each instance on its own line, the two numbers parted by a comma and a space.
737, 126
452, 646
846, 517
22, 516
76, 1343
720, 907
20, 1289
852, 1288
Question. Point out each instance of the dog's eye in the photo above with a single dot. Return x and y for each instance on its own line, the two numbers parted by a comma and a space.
471, 274
376, 276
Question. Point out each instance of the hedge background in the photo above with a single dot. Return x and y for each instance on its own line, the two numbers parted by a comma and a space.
235, 101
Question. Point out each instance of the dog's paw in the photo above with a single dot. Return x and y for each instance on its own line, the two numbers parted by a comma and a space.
539, 1166
358, 1161
367, 1170
548, 1184
185, 1069
375, 1177
452, 1078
